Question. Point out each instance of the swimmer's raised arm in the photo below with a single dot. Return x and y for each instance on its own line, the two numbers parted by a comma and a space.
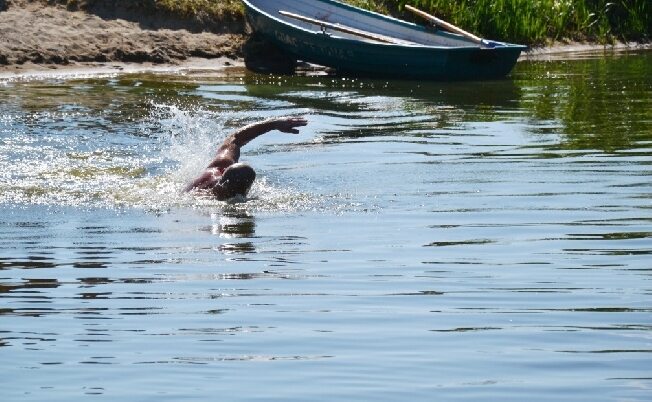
226, 178
283, 124
229, 152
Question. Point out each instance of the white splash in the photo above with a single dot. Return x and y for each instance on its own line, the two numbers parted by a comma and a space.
110, 171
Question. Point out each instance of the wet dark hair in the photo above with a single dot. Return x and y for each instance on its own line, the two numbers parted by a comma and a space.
236, 180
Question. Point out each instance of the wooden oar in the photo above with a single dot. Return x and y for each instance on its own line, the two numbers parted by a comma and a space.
446, 25
349, 30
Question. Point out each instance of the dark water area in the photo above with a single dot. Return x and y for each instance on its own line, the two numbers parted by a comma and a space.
416, 241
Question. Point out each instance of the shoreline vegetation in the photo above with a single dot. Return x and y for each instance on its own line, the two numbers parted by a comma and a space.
520, 21
55, 33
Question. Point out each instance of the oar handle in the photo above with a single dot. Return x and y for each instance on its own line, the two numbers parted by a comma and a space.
445, 24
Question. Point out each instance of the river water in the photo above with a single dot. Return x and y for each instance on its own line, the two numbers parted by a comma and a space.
416, 241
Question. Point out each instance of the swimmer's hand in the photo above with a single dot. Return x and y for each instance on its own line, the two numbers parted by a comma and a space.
288, 124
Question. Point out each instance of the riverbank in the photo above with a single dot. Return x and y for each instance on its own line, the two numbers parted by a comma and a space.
39, 38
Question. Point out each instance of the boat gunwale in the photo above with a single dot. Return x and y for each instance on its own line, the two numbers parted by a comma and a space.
407, 24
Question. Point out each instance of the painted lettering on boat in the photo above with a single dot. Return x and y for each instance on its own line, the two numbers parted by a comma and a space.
285, 38
329, 51
337, 52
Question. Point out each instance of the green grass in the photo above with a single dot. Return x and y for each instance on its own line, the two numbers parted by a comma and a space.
535, 22
189, 8
523, 21
540, 21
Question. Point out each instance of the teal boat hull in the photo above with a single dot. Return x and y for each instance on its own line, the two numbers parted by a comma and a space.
364, 58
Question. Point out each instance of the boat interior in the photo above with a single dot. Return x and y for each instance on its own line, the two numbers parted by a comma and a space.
327, 16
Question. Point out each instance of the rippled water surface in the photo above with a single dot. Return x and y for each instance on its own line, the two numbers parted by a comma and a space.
417, 241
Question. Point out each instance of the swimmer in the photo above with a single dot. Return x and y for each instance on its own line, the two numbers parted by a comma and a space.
225, 177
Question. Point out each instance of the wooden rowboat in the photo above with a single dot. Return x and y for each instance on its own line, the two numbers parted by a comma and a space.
359, 42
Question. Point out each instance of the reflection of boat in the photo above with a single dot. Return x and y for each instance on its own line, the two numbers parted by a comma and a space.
361, 42
324, 93
360, 109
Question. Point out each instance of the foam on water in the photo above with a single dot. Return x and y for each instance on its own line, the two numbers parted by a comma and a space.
189, 140
83, 168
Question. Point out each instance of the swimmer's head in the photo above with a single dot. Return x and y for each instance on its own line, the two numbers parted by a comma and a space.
235, 181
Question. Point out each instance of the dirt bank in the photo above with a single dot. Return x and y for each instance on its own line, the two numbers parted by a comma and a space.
36, 34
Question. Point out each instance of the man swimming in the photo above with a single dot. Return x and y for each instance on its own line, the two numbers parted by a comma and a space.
225, 177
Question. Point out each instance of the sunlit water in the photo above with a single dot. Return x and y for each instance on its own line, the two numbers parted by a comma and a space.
417, 241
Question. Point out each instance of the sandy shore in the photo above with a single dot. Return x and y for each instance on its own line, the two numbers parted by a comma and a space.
36, 36
38, 40
574, 50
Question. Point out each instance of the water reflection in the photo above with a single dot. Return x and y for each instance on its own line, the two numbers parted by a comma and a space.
408, 108
237, 248
233, 224
30, 262
470, 239
602, 103
610, 236
29, 284
575, 100
345, 95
